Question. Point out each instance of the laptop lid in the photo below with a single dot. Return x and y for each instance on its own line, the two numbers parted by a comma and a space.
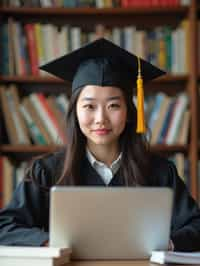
110, 223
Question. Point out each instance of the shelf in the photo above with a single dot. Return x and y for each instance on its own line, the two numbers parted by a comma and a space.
170, 148
42, 149
172, 78
180, 10
36, 79
32, 149
108, 16
29, 79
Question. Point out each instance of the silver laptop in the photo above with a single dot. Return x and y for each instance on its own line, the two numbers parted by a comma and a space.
110, 223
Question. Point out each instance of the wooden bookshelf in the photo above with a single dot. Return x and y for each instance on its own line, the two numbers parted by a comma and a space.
151, 16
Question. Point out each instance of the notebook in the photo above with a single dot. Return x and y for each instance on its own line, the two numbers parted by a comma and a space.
110, 223
175, 257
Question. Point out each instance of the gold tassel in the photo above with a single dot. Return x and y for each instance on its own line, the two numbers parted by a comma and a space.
141, 128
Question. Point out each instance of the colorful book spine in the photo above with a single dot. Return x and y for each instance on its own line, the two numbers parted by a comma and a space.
34, 130
181, 105
32, 48
51, 116
4, 50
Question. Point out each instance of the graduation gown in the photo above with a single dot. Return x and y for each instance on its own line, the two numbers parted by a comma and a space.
25, 221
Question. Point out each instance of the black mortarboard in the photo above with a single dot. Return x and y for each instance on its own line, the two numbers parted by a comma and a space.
102, 63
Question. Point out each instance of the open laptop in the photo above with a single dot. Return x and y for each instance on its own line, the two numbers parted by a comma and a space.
110, 223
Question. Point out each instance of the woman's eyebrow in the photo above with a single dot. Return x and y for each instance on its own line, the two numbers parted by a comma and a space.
114, 98
88, 99
108, 99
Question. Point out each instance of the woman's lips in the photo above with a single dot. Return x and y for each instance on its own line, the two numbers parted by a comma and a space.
102, 131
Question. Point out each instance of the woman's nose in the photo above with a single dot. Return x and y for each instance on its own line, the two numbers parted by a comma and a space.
100, 115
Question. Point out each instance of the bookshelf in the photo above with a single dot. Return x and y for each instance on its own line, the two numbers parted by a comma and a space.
140, 16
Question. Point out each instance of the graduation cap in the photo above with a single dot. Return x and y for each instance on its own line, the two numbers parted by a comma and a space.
103, 63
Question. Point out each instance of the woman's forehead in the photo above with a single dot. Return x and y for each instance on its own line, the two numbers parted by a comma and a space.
95, 91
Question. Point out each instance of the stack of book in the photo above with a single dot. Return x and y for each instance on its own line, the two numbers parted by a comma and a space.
35, 119
26, 46
184, 258
32, 256
168, 119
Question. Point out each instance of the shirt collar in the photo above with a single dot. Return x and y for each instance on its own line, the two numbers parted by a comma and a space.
114, 166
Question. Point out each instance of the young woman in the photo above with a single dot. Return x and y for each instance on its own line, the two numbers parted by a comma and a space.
103, 148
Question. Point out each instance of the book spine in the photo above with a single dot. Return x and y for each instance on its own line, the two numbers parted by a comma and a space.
14, 92
166, 121
8, 171
43, 113
37, 120
34, 130
51, 116
159, 98
159, 123
10, 126
4, 51
17, 123
182, 136
32, 49
181, 106
11, 47
63, 103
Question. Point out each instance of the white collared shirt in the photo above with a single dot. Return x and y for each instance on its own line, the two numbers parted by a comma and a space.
102, 169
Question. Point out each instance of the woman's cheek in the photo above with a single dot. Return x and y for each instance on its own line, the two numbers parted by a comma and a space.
84, 118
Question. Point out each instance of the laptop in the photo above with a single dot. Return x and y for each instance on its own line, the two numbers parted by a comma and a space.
100, 223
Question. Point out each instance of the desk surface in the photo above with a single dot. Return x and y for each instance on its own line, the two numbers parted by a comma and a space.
117, 263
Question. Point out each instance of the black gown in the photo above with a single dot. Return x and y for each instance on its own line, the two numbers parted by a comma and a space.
25, 220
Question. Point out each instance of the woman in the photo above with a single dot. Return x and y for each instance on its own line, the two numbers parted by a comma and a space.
103, 148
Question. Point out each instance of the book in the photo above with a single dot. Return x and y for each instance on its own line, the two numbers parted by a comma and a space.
19, 122
182, 136
175, 123
26, 101
7, 180
40, 256
33, 129
16, 129
11, 47
4, 51
159, 122
162, 257
159, 99
60, 117
32, 49
50, 116
9, 123
38, 252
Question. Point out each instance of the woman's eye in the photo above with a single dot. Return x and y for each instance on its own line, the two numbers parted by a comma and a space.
88, 106
114, 105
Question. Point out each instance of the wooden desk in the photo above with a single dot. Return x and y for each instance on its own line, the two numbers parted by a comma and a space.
118, 263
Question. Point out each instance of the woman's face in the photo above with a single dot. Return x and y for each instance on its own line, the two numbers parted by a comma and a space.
102, 114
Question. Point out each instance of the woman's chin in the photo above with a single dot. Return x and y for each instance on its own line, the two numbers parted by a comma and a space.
102, 141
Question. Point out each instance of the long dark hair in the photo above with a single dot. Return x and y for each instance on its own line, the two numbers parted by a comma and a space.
134, 147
